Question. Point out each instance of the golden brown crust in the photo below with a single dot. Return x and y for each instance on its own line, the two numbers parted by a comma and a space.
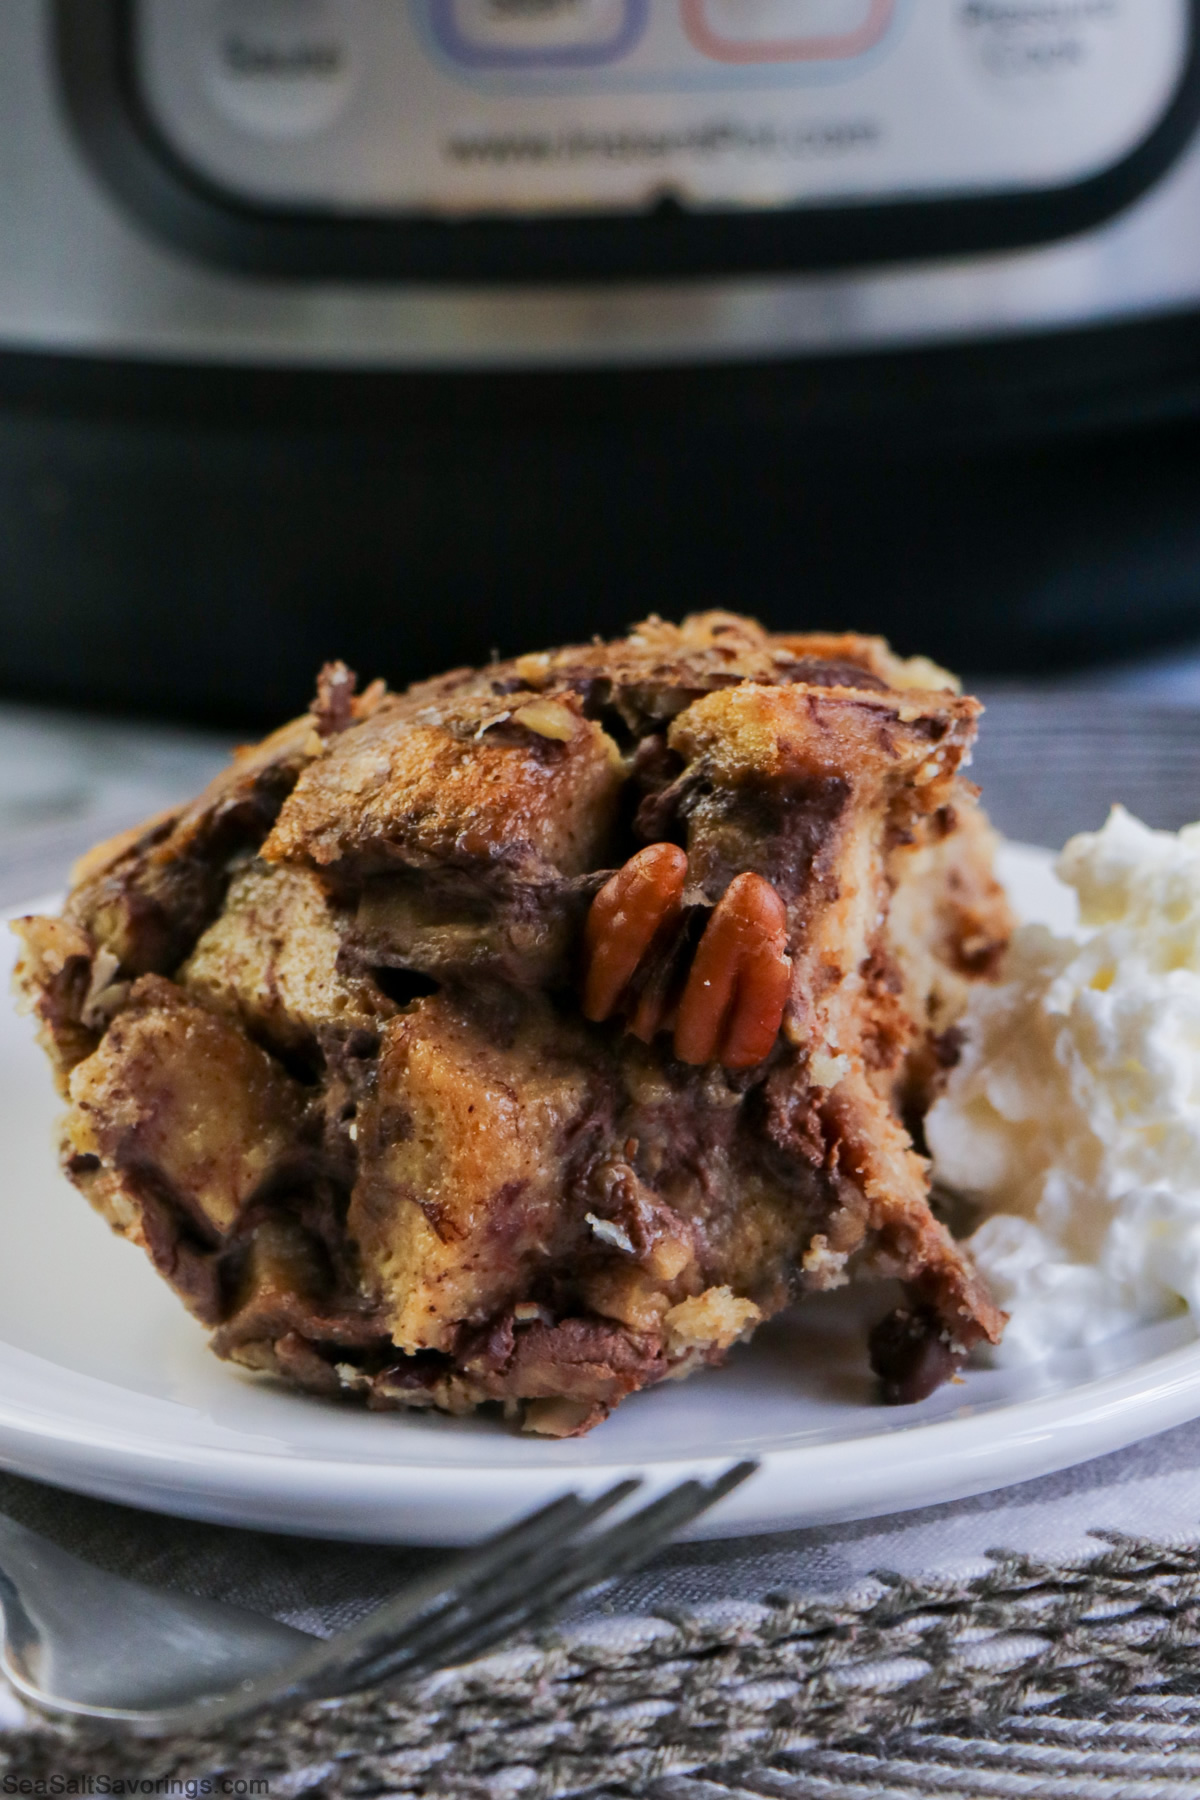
479, 781
345, 1054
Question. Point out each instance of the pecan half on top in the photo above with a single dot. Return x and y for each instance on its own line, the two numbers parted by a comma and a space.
737, 988
641, 901
733, 1000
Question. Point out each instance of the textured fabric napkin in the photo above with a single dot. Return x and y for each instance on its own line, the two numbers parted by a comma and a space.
1050, 761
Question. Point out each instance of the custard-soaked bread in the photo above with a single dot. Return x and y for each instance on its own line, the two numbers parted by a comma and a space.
531, 1035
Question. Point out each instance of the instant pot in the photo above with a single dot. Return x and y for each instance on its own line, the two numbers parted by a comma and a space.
404, 329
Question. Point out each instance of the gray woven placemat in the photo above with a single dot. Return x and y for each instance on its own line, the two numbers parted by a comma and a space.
781, 1697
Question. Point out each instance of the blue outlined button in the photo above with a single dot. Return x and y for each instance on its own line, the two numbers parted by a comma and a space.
537, 34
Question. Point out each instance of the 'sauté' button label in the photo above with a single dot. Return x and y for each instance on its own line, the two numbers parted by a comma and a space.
281, 68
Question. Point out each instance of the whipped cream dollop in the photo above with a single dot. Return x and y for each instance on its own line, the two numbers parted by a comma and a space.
1073, 1116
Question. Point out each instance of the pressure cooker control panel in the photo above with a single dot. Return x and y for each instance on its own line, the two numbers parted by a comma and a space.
536, 108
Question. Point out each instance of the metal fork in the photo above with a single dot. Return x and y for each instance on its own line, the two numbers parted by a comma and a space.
83, 1642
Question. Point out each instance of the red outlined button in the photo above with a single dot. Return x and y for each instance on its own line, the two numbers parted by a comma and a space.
865, 23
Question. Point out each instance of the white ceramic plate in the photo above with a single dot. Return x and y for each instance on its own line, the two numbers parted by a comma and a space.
107, 1386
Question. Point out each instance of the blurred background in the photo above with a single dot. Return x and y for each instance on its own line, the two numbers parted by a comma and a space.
403, 330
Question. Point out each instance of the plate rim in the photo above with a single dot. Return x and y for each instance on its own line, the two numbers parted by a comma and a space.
929, 1463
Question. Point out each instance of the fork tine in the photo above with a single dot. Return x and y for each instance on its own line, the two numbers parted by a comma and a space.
568, 1574
602, 1557
586, 1562
505, 1564
513, 1580
320, 1672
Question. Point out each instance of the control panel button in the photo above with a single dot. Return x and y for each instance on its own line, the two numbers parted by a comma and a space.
281, 68
766, 31
1029, 50
537, 34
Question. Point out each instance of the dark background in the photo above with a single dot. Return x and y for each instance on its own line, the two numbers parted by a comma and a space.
194, 542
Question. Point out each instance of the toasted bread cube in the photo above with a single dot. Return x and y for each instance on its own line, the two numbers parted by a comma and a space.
401, 789
461, 1174
271, 960
180, 1101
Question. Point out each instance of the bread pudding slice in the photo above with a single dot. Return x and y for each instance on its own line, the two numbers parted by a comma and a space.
529, 1036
